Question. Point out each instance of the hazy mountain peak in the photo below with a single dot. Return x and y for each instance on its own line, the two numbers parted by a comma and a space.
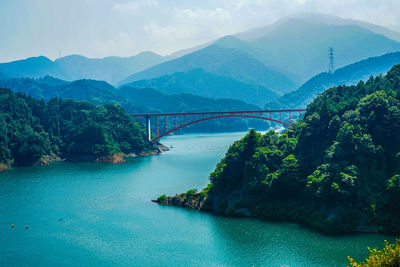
317, 18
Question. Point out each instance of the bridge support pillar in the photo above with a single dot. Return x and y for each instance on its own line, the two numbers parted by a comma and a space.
148, 128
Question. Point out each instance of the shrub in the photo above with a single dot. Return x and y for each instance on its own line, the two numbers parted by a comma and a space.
389, 256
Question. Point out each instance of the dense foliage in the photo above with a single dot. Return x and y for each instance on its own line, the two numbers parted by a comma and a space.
389, 256
31, 129
338, 169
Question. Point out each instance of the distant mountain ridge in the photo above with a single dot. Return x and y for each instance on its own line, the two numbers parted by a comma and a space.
134, 100
137, 100
280, 57
256, 33
75, 67
220, 61
348, 75
293, 49
301, 46
202, 83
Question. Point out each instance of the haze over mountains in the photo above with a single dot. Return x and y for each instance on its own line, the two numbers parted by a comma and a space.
75, 67
133, 99
349, 75
253, 66
202, 83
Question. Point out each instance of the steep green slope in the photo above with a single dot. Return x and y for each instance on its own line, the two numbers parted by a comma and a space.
32, 130
337, 170
220, 61
350, 74
199, 82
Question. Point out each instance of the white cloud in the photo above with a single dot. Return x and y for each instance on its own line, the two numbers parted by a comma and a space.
120, 45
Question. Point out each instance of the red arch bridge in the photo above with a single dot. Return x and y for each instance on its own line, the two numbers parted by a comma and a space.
181, 120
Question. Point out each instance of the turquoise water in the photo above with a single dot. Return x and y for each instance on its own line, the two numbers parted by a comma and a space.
100, 214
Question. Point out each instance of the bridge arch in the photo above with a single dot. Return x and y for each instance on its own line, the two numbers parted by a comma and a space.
211, 115
219, 117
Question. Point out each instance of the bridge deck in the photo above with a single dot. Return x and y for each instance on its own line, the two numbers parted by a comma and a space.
217, 112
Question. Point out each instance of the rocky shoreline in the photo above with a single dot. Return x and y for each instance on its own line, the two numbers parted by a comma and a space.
183, 200
215, 203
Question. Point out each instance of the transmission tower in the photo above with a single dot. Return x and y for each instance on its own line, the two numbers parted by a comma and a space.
331, 61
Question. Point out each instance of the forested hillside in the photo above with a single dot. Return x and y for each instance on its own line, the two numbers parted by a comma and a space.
337, 170
202, 83
221, 61
32, 130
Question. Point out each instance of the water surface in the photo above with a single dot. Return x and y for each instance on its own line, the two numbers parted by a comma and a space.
100, 214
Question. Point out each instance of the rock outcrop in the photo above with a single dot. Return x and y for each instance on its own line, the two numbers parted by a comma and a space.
193, 201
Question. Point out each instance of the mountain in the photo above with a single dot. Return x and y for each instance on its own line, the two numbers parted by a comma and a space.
220, 61
302, 45
110, 69
49, 80
96, 92
285, 54
3, 77
134, 100
75, 67
202, 83
34, 67
336, 170
256, 33
182, 102
350, 74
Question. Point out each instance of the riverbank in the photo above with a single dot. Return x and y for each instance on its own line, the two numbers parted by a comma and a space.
114, 159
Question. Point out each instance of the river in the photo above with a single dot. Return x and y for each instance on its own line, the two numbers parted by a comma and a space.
100, 214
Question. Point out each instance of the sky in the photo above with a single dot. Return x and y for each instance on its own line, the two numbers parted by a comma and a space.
100, 28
